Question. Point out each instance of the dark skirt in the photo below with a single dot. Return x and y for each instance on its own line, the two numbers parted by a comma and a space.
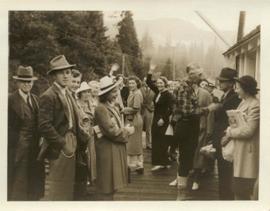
160, 144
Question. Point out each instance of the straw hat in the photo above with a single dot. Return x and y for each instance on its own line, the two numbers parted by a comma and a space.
25, 74
107, 84
93, 84
84, 86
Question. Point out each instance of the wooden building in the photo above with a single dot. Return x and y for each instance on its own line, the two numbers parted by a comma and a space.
245, 55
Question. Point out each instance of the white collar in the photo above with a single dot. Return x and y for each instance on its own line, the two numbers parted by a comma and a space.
24, 95
226, 93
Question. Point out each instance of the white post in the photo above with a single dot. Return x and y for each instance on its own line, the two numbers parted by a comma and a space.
123, 64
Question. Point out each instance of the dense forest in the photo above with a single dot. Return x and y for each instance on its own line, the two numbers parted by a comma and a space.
35, 37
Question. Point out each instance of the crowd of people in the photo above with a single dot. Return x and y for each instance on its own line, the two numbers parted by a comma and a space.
78, 134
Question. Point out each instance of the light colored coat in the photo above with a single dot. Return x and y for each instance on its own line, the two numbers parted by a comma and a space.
246, 140
134, 102
204, 100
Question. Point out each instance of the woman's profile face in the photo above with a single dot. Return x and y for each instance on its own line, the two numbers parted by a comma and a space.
241, 93
95, 90
112, 95
160, 85
85, 95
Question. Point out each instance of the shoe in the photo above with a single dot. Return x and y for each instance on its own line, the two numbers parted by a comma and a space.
173, 183
195, 186
155, 168
140, 170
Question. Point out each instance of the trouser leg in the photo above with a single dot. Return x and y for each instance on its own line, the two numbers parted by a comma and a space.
148, 119
225, 176
187, 136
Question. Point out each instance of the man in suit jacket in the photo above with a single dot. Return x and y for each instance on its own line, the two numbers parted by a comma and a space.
25, 174
59, 125
230, 100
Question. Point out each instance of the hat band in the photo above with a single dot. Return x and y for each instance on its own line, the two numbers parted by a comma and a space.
106, 87
25, 76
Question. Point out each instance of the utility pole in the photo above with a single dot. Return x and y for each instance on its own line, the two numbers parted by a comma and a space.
123, 64
174, 63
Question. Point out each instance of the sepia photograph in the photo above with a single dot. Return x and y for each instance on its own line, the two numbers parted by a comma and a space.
120, 105
141, 106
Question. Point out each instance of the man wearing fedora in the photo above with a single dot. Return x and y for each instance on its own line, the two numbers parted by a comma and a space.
59, 125
25, 174
229, 100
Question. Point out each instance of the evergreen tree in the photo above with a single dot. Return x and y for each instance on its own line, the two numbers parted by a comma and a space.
36, 37
127, 39
147, 45
32, 40
167, 70
82, 39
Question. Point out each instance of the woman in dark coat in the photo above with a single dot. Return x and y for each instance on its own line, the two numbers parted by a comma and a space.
163, 102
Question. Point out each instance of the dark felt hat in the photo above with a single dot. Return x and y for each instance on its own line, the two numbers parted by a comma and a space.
59, 63
25, 74
227, 74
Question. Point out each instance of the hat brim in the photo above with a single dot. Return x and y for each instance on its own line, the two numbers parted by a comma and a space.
25, 79
60, 68
82, 90
238, 80
102, 92
225, 79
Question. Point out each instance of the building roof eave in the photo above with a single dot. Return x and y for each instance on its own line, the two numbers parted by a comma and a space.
253, 34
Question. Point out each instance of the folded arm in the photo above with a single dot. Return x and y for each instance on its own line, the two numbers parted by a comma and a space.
108, 127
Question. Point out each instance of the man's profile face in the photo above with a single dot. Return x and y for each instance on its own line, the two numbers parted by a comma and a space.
225, 85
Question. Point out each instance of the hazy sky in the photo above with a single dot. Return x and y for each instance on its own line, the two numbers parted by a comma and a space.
222, 20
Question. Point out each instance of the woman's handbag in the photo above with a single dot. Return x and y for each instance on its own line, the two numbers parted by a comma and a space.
228, 150
208, 151
169, 131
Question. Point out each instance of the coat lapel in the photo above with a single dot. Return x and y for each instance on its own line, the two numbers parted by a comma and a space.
34, 102
62, 99
115, 114
244, 105
17, 105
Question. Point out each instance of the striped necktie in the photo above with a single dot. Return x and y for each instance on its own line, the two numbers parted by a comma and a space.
28, 100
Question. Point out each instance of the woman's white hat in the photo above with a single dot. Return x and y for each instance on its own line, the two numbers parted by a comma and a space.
84, 86
107, 84
93, 84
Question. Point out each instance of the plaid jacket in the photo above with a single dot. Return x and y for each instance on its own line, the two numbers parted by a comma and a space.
186, 100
